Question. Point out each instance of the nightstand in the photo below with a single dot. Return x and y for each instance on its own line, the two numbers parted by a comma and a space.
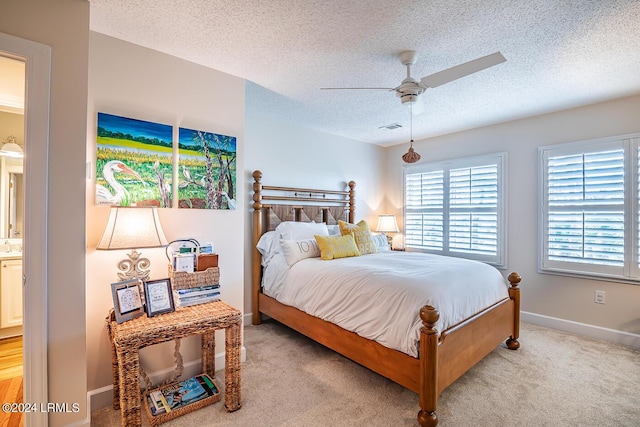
204, 319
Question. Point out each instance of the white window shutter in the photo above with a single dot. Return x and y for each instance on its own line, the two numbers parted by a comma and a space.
456, 208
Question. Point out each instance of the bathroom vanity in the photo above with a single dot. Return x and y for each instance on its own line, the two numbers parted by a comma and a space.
10, 293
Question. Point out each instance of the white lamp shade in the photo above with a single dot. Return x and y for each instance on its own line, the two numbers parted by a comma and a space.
132, 228
387, 224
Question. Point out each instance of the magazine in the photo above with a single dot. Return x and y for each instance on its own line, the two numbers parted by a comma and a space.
188, 391
157, 403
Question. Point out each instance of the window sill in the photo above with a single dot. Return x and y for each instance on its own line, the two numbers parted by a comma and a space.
591, 276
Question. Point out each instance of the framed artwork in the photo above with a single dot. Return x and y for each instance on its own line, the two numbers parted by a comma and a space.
206, 170
159, 296
127, 301
134, 162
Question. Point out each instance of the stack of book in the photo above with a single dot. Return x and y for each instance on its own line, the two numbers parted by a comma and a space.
176, 395
198, 295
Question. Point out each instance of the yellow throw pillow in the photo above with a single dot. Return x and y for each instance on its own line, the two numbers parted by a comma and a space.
362, 234
333, 247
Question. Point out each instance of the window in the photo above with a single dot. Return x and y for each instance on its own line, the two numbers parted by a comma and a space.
456, 208
590, 212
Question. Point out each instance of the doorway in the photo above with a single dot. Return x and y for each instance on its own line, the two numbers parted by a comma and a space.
36, 58
12, 132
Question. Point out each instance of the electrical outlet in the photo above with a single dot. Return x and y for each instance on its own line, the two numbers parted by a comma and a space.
599, 297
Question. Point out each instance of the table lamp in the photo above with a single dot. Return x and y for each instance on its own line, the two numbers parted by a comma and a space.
387, 224
133, 228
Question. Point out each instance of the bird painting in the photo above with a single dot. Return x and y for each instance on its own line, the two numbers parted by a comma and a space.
231, 203
120, 195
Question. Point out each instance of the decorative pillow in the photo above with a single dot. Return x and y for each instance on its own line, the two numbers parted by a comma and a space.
291, 230
333, 247
362, 235
382, 244
296, 250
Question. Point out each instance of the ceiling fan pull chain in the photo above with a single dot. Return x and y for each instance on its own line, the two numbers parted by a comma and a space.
411, 156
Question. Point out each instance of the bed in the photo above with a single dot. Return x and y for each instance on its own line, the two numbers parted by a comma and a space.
444, 348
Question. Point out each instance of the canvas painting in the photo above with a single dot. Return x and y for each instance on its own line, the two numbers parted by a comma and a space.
134, 164
207, 170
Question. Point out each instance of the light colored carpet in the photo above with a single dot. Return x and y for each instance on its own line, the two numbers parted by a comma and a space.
554, 379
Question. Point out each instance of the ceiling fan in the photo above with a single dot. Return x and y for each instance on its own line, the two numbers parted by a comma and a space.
410, 89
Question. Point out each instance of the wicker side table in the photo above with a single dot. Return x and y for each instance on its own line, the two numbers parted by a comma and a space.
129, 337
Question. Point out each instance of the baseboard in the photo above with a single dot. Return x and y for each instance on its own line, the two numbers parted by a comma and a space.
612, 335
103, 396
247, 319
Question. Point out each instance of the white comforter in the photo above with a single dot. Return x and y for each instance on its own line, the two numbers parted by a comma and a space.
379, 296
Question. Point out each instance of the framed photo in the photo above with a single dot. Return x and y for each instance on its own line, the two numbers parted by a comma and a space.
127, 301
159, 296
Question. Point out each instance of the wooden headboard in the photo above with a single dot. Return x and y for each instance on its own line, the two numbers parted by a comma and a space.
292, 204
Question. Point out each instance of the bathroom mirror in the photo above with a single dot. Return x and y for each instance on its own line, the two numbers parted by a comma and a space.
12, 198
15, 214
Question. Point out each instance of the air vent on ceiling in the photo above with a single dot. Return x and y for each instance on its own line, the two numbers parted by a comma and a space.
391, 126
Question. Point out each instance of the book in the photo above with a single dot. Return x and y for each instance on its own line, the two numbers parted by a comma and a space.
200, 296
197, 291
188, 391
152, 408
200, 300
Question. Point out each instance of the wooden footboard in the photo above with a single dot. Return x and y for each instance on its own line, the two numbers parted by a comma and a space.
447, 356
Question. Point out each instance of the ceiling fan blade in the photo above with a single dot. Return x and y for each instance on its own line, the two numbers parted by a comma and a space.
357, 88
462, 70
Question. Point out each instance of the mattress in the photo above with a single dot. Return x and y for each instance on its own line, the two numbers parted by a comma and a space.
379, 296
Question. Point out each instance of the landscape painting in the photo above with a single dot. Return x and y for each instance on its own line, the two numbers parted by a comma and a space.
207, 170
134, 164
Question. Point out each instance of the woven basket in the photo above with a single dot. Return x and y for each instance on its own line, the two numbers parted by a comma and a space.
155, 420
184, 280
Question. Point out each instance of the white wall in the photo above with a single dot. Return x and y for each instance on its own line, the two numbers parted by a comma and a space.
293, 156
543, 294
63, 25
132, 81
11, 125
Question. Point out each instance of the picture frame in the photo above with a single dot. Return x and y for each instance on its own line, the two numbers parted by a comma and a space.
127, 300
159, 297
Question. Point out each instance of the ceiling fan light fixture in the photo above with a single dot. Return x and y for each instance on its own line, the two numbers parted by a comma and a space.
409, 99
411, 156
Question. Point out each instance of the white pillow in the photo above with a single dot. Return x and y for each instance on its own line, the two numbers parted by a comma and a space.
381, 242
296, 250
334, 230
291, 230
268, 246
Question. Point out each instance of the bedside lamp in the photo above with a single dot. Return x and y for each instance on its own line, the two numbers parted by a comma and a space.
387, 224
133, 228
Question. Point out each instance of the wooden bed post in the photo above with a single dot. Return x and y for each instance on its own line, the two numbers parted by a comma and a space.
514, 293
428, 367
352, 202
256, 264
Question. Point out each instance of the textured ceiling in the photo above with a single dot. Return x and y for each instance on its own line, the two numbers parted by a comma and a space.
560, 54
